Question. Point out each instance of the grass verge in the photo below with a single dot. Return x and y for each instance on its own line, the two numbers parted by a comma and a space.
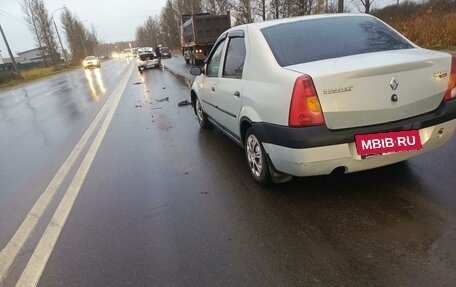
33, 74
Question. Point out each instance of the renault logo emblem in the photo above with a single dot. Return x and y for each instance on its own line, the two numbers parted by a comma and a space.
394, 83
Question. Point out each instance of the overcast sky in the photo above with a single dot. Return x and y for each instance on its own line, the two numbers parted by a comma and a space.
114, 20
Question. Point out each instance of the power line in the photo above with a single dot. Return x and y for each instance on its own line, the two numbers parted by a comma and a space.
13, 19
11, 15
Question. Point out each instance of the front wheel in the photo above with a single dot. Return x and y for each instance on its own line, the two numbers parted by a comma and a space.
201, 115
256, 159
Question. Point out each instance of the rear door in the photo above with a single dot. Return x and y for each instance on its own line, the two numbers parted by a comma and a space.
230, 86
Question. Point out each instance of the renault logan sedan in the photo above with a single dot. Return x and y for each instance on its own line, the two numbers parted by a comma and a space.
314, 94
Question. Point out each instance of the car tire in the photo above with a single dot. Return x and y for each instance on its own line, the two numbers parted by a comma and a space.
256, 159
187, 61
201, 115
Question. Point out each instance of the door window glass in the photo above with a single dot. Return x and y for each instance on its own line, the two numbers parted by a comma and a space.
235, 57
213, 65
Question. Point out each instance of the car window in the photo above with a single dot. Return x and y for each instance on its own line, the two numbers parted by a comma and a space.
213, 63
90, 58
319, 39
235, 57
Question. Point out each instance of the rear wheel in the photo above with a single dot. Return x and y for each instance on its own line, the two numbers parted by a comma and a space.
256, 159
201, 115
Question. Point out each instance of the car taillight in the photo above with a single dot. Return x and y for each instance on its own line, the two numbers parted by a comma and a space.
305, 107
451, 92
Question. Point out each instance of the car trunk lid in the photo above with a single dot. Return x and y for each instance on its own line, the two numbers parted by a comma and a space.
373, 88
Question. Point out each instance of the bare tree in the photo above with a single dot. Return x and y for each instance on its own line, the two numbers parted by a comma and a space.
169, 32
243, 12
275, 8
150, 33
363, 5
28, 7
80, 40
260, 8
44, 27
320, 6
217, 7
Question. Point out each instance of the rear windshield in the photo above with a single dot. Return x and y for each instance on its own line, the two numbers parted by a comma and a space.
319, 39
164, 49
89, 58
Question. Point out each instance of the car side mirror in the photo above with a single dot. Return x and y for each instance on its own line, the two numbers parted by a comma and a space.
196, 71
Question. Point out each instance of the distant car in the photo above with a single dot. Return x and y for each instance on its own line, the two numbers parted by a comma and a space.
165, 52
319, 94
147, 59
91, 62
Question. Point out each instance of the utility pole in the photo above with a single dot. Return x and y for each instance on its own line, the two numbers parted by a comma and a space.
83, 45
10, 54
58, 34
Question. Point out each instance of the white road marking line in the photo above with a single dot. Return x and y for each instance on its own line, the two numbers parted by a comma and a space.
32, 272
56, 90
14, 246
12, 249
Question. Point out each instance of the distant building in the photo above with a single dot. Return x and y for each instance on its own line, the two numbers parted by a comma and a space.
6, 64
33, 56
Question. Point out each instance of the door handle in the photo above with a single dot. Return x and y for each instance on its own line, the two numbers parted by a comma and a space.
237, 94
213, 89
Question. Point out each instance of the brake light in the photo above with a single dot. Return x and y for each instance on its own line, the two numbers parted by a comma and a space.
305, 109
451, 92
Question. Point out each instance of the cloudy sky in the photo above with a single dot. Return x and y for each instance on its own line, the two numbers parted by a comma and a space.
114, 20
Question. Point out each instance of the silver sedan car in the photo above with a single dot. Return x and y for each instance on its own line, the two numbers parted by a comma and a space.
316, 94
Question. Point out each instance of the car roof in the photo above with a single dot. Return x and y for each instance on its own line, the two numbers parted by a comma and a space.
269, 23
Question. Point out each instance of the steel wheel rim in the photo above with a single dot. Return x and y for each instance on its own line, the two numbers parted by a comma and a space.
254, 156
199, 111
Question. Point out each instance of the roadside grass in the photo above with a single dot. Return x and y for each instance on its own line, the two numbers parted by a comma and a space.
34, 74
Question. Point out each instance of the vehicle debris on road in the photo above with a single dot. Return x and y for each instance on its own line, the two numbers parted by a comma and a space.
163, 99
183, 103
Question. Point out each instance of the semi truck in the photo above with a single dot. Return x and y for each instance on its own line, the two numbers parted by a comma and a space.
199, 33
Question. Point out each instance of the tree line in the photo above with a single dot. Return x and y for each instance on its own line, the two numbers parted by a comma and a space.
430, 24
81, 40
164, 28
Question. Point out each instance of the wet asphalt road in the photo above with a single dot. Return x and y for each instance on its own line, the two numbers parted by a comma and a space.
166, 204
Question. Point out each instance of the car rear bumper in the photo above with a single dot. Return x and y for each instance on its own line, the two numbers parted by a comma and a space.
316, 136
325, 159
148, 64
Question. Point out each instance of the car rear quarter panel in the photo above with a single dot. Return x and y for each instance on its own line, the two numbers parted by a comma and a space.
268, 87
